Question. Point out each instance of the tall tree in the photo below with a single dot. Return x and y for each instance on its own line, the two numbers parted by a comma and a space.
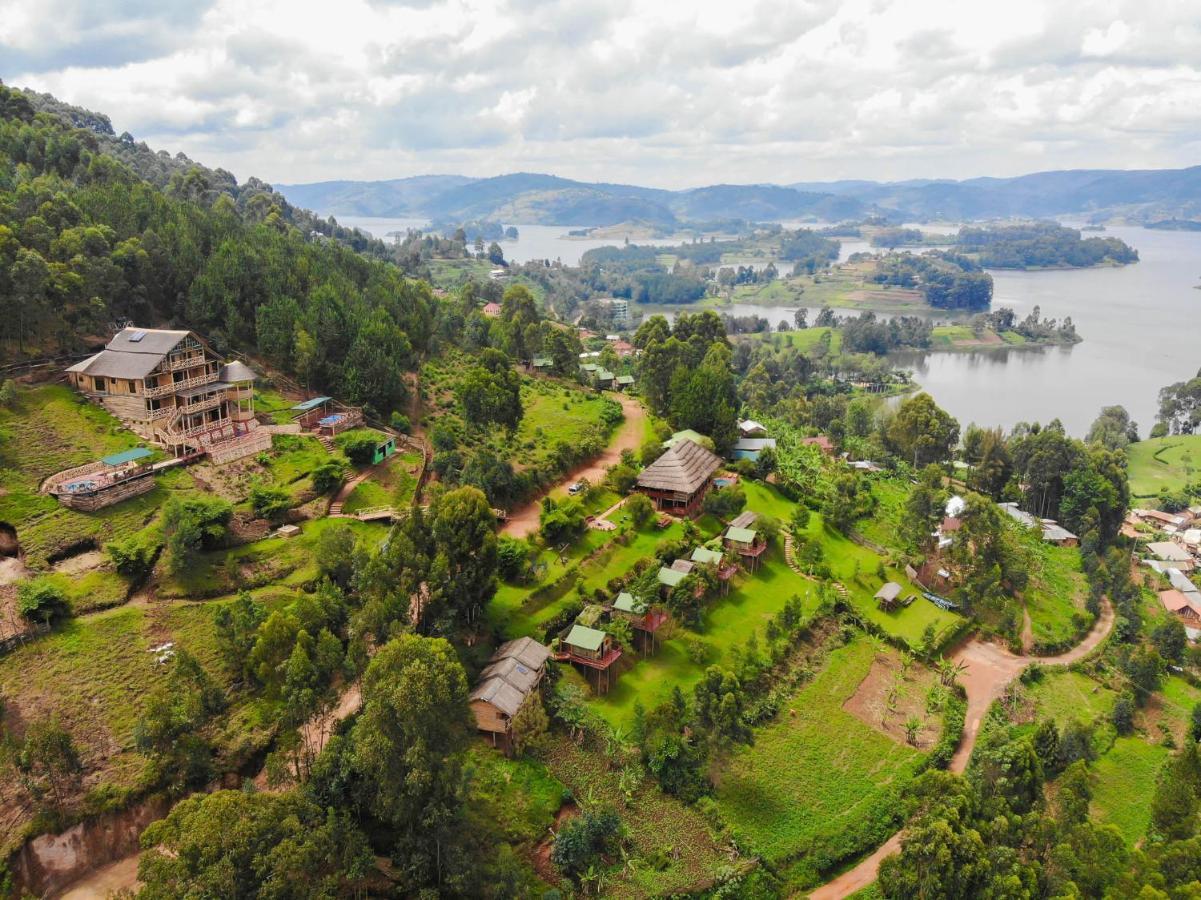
921, 433
409, 743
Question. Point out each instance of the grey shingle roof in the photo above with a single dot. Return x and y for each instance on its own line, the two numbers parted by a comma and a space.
124, 357
684, 468
158, 341
512, 673
890, 591
236, 371
744, 519
500, 694
114, 364
526, 650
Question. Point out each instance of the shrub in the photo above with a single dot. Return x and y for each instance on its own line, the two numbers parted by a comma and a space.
401, 423
328, 476
194, 524
641, 510
725, 503
582, 840
560, 521
8, 393
512, 558
269, 502
43, 601
622, 478
359, 448
133, 556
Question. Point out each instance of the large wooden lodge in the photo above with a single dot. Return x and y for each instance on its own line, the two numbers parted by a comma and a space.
172, 389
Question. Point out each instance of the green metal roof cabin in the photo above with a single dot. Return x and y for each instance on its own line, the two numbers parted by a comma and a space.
628, 603
705, 555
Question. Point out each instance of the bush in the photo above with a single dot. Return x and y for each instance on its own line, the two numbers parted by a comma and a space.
401, 423
8, 393
641, 510
725, 503
269, 502
512, 558
582, 840
194, 524
42, 600
560, 521
359, 448
133, 556
622, 478
328, 476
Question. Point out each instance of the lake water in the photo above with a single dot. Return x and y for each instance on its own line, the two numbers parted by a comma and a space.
534, 241
1141, 326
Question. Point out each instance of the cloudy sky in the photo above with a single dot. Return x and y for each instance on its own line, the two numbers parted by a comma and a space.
665, 93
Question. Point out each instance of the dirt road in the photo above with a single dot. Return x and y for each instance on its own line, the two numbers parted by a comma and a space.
990, 667
523, 522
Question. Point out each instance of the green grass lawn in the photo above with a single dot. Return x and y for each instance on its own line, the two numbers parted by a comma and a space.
274, 404
728, 623
818, 786
855, 566
97, 589
520, 796
1056, 595
1065, 696
93, 676
1123, 784
882, 526
52, 428
394, 485
1169, 462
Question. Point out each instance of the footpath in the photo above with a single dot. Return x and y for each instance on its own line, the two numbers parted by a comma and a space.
990, 669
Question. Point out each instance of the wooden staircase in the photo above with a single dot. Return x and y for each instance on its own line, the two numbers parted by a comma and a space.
790, 555
335, 508
327, 442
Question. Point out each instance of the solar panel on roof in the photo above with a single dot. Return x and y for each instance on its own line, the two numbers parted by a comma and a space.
136, 336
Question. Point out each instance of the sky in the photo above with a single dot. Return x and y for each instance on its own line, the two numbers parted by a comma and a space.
665, 93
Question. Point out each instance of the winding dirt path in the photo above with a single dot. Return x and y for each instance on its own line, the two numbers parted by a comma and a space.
523, 522
990, 668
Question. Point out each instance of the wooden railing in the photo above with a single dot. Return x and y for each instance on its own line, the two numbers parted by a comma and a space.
200, 405
166, 390
183, 362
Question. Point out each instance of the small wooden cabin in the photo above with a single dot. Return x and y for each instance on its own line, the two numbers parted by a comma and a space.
593, 650
744, 540
888, 595
512, 676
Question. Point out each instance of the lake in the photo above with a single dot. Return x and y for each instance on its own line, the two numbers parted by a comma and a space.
533, 242
1141, 328
1140, 324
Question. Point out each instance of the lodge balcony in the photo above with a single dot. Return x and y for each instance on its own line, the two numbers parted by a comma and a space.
167, 390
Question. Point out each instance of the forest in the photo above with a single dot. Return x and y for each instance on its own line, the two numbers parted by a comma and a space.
1041, 245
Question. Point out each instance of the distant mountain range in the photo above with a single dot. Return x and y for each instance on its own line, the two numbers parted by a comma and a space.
523, 198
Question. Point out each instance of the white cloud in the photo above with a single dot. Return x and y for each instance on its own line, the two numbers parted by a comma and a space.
671, 93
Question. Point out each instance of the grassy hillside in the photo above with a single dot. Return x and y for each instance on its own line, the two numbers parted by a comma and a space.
818, 785
1159, 463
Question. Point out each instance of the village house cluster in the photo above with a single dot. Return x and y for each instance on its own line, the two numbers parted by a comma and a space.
1170, 545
